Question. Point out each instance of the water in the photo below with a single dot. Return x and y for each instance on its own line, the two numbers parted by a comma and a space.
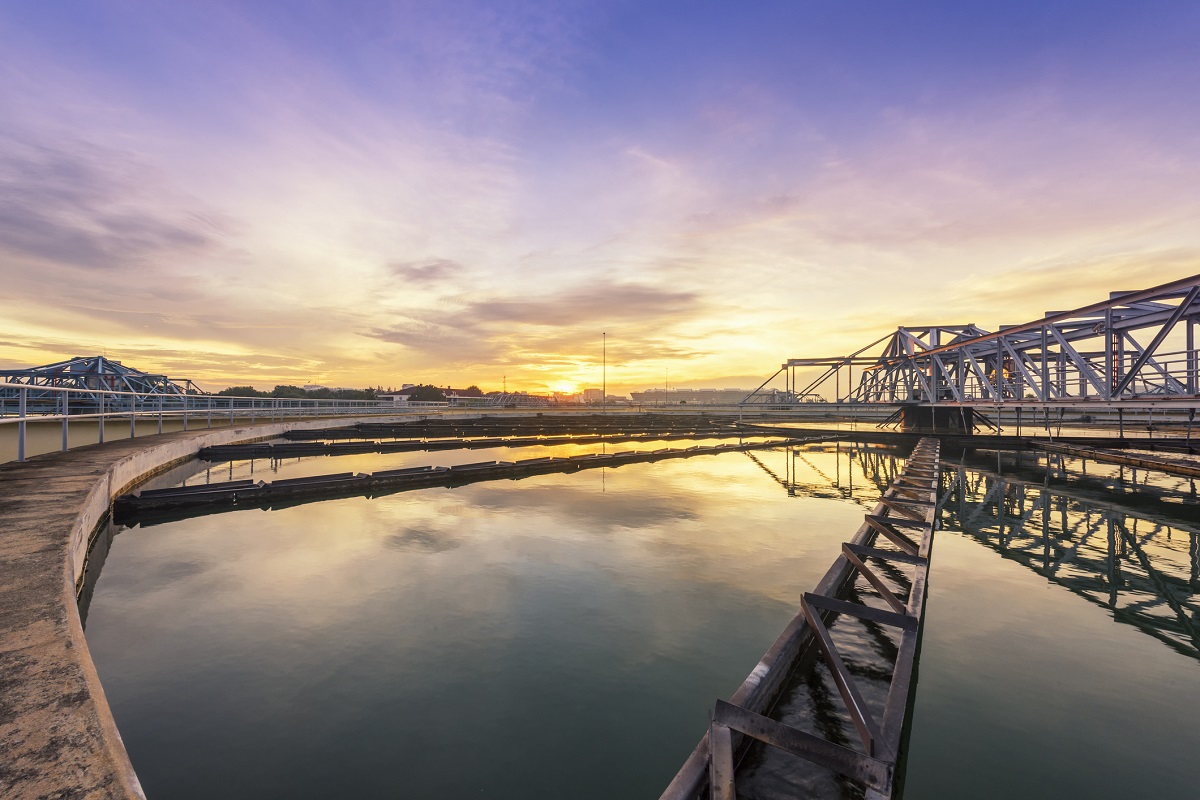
1062, 637
561, 636
565, 635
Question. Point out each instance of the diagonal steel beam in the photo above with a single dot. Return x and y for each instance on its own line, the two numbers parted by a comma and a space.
873, 772
1158, 338
1085, 369
1019, 361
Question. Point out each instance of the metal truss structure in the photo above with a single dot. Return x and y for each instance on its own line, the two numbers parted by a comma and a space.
1073, 529
1066, 520
1134, 349
1144, 568
761, 397
95, 375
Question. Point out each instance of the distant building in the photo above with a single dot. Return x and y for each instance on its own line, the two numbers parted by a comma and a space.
401, 400
454, 397
593, 395
699, 397
518, 400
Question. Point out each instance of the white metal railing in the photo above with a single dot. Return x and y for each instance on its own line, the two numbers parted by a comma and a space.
21, 403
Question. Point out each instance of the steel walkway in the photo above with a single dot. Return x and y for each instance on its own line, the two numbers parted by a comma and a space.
897, 533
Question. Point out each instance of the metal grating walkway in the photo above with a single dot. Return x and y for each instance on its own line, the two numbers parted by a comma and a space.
897, 534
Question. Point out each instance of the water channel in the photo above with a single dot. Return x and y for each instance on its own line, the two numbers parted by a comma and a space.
565, 635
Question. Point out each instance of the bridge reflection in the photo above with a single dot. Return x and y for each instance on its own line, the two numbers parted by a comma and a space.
1128, 540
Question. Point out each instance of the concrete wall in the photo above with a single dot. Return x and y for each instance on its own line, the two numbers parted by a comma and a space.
57, 735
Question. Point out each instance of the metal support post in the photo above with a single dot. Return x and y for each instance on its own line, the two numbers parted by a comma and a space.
1045, 376
66, 399
1110, 345
21, 424
1119, 375
101, 419
1191, 357
999, 375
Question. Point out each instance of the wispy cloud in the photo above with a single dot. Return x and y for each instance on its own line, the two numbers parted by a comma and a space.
555, 331
73, 203
426, 272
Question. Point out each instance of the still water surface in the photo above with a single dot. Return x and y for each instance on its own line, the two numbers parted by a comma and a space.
565, 635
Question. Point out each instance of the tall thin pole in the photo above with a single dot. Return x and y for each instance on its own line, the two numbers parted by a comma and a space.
604, 372
22, 406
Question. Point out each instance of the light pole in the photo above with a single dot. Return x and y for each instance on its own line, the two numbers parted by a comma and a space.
604, 372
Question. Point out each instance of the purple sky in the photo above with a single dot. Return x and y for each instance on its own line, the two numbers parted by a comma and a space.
364, 193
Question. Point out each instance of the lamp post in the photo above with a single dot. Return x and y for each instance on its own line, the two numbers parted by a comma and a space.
604, 372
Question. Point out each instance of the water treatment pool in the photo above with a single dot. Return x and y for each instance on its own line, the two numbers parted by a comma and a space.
566, 635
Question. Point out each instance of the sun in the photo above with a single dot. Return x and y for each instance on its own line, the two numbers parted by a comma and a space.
565, 387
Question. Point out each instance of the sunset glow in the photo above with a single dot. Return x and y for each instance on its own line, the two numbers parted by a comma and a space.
469, 193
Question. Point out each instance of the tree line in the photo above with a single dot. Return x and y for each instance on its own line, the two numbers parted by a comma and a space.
300, 393
424, 393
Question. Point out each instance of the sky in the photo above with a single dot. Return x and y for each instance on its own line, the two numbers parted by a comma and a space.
364, 193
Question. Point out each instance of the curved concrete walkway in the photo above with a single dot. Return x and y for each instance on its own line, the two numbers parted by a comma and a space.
57, 735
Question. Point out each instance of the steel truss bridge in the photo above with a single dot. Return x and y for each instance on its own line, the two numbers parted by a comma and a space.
95, 389
92, 377
1136, 349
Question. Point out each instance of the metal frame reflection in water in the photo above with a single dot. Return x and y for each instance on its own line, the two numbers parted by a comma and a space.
905, 511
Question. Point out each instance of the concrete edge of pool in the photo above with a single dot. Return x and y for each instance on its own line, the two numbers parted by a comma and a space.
57, 734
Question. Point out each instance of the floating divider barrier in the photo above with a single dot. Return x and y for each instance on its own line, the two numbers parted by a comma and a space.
280, 450
183, 501
513, 426
1171, 466
904, 518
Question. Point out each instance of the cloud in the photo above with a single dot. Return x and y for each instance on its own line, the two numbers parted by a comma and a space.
590, 304
424, 540
77, 204
558, 329
426, 272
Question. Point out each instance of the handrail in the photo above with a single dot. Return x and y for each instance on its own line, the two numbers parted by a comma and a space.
160, 407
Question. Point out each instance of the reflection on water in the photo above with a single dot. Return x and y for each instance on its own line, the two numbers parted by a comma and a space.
1143, 566
1070, 663
1060, 659
564, 635
560, 636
